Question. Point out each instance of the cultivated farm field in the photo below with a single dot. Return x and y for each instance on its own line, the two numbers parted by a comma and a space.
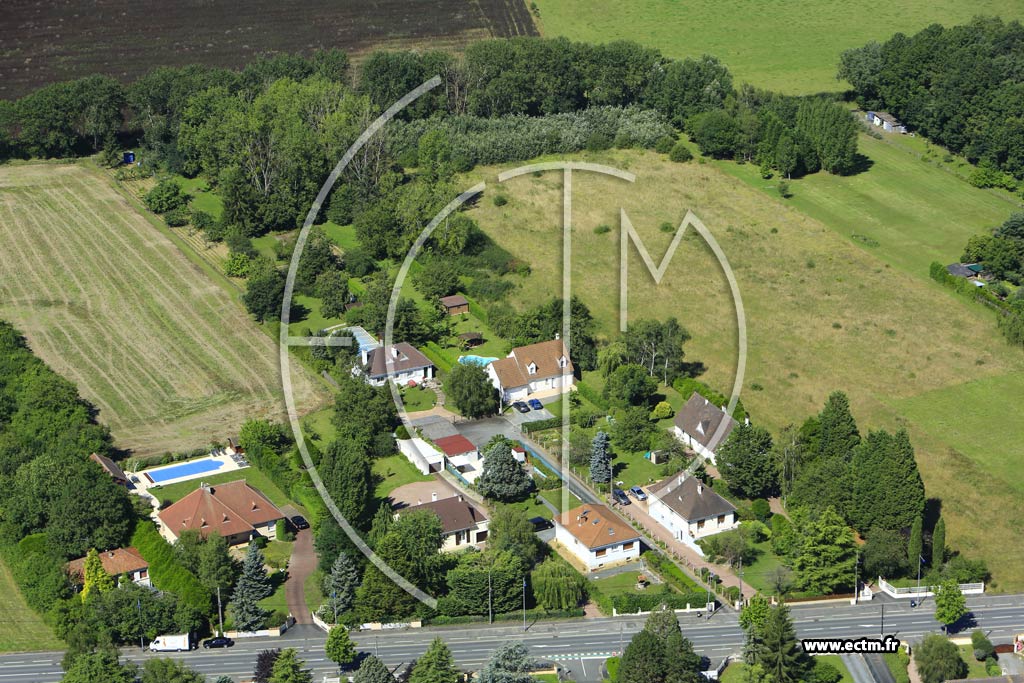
792, 47
823, 313
168, 357
43, 42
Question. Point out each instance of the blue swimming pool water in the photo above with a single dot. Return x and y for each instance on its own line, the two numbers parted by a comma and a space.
476, 360
185, 469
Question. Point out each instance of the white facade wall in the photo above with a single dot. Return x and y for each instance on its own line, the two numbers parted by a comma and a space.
460, 540
683, 529
595, 559
695, 445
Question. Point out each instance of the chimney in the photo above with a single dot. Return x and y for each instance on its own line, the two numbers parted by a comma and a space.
255, 506
460, 498
433, 496
365, 356
558, 335
705, 401
746, 421
110, 554
394, 352
419, 501
700, 489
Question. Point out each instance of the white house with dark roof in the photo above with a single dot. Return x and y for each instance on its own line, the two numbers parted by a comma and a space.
401, 362
702, 426
689, 509
543, 368
462, 523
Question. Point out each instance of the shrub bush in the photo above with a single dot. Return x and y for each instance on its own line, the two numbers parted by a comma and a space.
500, 200
177, 217
401, 432
166, 572
982, 646
602, 229
661, 411
761, 510
664, 144
680, 153
165, 196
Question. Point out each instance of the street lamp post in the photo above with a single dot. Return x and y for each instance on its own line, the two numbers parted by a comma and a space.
524, 603
490, 603
856, 578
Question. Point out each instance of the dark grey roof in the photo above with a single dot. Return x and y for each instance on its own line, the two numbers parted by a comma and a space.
960, 270
404, 355
887, 117
688, 497
109, 466
700, 418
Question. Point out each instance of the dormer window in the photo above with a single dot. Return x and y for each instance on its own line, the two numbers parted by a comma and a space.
532, 368
562, 361
700, 427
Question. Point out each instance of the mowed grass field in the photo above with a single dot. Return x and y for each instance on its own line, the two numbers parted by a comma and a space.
823, 312
791, 47
168, 357
21, 629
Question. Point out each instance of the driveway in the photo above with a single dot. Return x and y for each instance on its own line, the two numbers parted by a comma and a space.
302, 563
516, 418
482, 431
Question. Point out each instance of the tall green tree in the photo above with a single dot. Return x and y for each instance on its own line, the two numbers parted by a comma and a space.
939, 544
938, 659
372, 670
601, 459
471, 391
99, 667
437, 665
745, 462
681, 662
339, 647
643, 660
775, 648
950, 603
888, 490
825, 559
510, 529
482, 582
755, 613
347, 474
503, 478
557, 586
340, 585
264, 293
632, 430
253, 585
169, 671
838, 434
885, 553
216, 568
510, 663
95, 577
290, 669
630, 385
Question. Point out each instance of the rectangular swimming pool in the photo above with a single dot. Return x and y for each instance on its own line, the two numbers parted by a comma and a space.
185, 469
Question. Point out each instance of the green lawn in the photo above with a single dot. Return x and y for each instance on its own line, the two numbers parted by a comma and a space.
277, 553
394, 471
792, 46
734, 672
554, 496
493, 346
632, 469
22, 629
619, 584
202, 198
319, 426
535, 508
175, 492
975, 669
314, 594
312, 320
278, 601
342, 235
759, 572
418, 398
546, 678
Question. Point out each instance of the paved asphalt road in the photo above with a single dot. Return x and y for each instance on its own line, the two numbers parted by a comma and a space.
579, 645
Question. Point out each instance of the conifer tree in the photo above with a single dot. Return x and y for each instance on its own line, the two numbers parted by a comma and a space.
838, 430
339, 647
601, 459
915, 547
95, 577
824, 561
774, 647
253, 585
437, 665
341, 584
290, 669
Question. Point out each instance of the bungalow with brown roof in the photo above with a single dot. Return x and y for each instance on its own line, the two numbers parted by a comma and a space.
116, 563
403, 363
111, 468
541, 368
235, 510
462, 524
455, 304
689, 509
702, 426
596, 537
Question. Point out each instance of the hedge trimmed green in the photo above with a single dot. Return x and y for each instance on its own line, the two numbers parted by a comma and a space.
166, 572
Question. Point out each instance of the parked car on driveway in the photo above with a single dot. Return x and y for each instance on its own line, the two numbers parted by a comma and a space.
541, 524
218, 641
638, 493
620, 496
299, 522
535, 404
521, 407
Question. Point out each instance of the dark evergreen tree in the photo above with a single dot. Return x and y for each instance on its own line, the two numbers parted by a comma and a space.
601, 459
372, 670
341, 584
885, 554
887, 490
503, 477
288, 668
838, 430
824, 561
437, 665
745, 462
643, 660
253, 585
915, 547
775, 648
510, 663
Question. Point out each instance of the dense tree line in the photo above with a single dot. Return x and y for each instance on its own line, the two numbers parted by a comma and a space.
962, 87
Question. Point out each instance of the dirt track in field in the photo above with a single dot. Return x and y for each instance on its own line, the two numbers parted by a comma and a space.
167, 356
52, 40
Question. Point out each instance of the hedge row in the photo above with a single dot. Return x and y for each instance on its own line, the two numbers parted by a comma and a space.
631, 603
437, 356
531, 615
541, 425
592, 395
477, 311
165, 570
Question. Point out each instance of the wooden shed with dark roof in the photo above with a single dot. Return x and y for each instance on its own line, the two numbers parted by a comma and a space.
455, 304
111, 468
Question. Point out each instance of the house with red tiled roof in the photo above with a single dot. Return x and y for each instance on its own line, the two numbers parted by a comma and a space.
116, 562
596, 537
542, 368
236, 510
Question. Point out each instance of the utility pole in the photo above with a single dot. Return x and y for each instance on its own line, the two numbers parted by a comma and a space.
856, 578
881, 630
741, 581
138, 603
919, 561
220, 613
490, 603
711, 579
334, 599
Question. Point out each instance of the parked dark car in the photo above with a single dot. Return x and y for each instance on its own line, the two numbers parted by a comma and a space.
535, 404
521, 407
541, 524
218, 641
299, 522
620, 496
638, 493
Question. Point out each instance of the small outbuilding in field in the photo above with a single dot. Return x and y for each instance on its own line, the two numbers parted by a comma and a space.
455, 304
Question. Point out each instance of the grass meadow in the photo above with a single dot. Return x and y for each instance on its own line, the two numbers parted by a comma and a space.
107, 299
22, 629
823, 311
791, 47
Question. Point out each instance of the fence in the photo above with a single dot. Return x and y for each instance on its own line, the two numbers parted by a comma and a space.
925, 591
